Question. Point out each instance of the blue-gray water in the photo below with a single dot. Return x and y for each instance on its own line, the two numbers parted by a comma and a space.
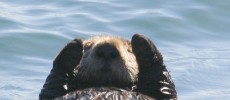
193, 36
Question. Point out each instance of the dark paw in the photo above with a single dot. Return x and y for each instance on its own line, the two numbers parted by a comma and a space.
145, 52
153, 77
58, 81
70, 56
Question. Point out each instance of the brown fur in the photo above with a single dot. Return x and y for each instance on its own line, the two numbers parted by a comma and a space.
119, 71
104, 62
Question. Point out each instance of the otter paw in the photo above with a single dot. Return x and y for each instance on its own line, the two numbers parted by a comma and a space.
145, 51
70, 56
153, 77
58, 81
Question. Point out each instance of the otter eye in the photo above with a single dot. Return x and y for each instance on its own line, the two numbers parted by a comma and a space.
87, 45
129, 50
129, 46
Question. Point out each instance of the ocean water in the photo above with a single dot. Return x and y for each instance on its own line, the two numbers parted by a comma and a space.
192, 35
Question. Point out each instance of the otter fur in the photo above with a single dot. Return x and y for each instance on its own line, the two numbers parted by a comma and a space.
110, 62
109, 65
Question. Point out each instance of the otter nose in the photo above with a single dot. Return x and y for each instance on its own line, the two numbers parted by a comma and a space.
106, 51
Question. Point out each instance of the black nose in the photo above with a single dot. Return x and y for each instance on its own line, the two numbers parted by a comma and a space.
106, 51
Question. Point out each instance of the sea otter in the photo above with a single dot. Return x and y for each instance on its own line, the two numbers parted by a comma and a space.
107, 64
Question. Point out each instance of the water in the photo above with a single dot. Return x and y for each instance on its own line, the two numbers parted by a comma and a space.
193, 37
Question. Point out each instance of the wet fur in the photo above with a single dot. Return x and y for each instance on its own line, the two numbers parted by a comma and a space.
78, 69
119, 72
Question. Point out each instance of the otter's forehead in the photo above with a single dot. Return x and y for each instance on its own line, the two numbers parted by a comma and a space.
113, 40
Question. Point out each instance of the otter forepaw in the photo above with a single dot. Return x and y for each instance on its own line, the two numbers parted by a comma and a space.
70, 56
153, 77
58, 81
145, 51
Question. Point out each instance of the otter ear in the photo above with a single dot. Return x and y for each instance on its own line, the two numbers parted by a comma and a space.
70, 56
145, 51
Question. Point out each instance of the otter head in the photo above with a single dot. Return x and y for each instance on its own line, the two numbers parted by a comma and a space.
107, 61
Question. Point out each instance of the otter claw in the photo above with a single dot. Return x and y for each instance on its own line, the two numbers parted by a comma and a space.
70, 56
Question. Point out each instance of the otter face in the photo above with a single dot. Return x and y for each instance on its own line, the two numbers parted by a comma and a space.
107, 61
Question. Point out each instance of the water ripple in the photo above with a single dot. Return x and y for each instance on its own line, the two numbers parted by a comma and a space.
192, 35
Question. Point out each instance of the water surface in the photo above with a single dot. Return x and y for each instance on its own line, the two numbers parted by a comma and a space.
193, 37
